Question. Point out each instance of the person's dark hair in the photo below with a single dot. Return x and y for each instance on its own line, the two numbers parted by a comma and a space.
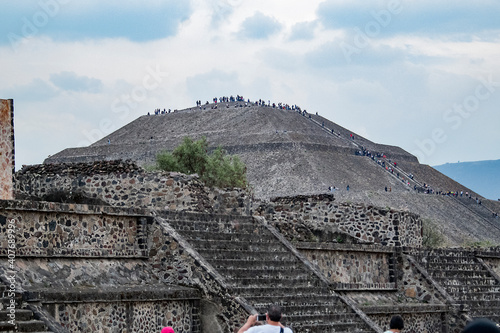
481, 326
396, 323
274, 312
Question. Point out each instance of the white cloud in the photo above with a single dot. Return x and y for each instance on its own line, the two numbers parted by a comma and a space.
78, 20
72, 82
259, 26
36, 90
303, 30
426, 18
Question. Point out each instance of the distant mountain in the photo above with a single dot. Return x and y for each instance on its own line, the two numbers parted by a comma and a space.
482, 177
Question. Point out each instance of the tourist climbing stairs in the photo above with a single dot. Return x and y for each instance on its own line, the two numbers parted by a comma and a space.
397, 173
474, 206
467, 280
260, 268
13, 311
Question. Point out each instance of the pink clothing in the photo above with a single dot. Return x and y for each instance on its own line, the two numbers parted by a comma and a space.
167, 330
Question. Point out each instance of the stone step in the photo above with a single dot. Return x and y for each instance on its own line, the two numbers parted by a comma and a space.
279, 292
486, 310
277, 282
265, 270
312, 309
478, 296
295, 272
248, 226
23, 326
20, 314
494, 316
195, 217
275, 261
250, 230
442, 260
256, 246
332, 317
358, 327
456, 266
261, 236
6, 301
448, 281
484, 304
219, 254
461, 274
268, 278
457, 290
294, 303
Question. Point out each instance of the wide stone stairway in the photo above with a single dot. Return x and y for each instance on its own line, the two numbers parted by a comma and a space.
262, 268
466, 279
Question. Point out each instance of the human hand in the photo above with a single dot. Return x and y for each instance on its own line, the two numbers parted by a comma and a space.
252, 319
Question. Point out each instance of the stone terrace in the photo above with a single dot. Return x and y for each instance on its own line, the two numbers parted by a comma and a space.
262, 268
72, 259
467, 279
114, 259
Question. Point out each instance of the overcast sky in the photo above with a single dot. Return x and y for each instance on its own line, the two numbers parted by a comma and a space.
423, 75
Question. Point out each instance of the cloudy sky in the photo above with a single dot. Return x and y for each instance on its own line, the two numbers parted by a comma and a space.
423, 75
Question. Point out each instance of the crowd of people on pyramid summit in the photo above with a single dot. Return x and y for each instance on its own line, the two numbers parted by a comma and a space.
160, 111
217, 101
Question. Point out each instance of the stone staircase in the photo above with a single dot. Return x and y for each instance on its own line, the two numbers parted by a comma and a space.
466, 280
480, 210
260, 269
23, 318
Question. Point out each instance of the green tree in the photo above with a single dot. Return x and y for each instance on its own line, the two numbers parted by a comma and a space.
191, 156
224, 171
431, 236
217, 169
167, 161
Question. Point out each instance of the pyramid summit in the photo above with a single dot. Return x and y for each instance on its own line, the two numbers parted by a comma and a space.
312, 151
289, 151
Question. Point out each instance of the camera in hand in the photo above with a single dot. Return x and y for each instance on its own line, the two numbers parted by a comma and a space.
261, 317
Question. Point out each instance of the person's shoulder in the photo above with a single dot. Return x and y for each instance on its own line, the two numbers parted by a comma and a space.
287, 330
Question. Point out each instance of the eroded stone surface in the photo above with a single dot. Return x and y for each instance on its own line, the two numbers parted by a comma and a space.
6, 149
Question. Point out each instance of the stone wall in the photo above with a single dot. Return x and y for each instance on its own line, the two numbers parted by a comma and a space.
371, 224
7, 161
352, 266
48, 229
124, 184
127, 317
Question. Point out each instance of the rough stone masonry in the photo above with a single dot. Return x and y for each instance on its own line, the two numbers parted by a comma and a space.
7, 164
